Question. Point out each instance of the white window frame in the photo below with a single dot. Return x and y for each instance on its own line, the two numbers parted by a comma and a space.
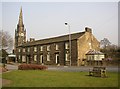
35, 57
41, 48
19, 57
66, 45
28, 49
67, 56
48, 47
23, 58
35, 49
19, 50
41, 56
48, 56
23, 49
57, 47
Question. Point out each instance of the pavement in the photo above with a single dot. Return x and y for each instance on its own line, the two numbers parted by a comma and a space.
66, 68
80, 69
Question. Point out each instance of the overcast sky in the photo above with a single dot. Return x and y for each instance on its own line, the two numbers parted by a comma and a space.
46, 19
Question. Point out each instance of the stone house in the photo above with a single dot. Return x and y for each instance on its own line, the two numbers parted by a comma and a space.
56, 50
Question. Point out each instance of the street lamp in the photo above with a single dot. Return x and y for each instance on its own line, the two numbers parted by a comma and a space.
69, 41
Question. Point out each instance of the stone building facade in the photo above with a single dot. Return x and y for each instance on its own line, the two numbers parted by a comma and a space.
56, 50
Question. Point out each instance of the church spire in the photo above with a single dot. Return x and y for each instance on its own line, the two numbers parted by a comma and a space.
20, 18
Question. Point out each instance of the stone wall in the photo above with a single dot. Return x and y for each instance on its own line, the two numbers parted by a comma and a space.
84, 44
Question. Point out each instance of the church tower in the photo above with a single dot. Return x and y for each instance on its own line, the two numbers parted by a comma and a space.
20, 32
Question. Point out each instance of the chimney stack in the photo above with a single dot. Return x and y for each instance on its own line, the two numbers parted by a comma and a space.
88, 29
32, 39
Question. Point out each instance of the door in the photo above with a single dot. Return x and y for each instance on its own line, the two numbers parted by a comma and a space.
57, 59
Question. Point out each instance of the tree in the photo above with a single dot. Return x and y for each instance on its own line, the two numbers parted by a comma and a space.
105, 43
3, 55
6, 44
6, 40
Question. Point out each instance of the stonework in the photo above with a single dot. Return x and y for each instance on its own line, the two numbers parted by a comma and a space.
20, 32
53, 51
85, 43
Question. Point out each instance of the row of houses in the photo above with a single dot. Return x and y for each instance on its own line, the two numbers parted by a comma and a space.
56, 50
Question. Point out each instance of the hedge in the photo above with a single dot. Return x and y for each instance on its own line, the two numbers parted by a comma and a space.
31, 67
2, 69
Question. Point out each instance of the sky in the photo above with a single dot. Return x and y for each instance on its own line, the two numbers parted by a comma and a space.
46, 19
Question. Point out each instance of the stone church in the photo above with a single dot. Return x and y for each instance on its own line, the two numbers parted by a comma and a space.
56, 50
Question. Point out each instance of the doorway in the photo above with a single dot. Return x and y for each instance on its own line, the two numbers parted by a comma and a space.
57, 59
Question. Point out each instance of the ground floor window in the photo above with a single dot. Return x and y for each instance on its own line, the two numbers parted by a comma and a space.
48, 56
66, 57
23, 58
18, 57
35, 57
41, 58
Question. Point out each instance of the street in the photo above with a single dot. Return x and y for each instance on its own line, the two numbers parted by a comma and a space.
67, 68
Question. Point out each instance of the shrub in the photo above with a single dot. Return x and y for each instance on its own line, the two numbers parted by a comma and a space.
2, 69
31, 67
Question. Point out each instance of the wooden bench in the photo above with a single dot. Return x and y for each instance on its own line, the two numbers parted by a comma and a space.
98, 72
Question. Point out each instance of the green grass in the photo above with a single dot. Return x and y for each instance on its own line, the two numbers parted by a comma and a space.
36, 78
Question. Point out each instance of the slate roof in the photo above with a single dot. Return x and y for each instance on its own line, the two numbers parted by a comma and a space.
94, 52
54, 39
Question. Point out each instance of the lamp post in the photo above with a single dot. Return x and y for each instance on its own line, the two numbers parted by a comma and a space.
69, 41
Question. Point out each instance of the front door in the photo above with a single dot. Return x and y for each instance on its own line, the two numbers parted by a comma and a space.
57, 59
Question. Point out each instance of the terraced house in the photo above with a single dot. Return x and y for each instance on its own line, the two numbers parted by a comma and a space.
56, 50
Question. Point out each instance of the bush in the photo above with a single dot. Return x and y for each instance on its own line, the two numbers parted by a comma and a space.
31, 67
2, 69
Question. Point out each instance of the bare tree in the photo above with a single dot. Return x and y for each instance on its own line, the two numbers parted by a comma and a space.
6, 41
105, 43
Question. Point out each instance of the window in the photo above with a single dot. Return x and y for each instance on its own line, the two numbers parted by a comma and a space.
41, 48
41, 58
35, 49
48, 47
66, 56
66, 45
48, 56
23, 49
56, 47
28, 49
19, 57
35, 57
23, 59
19, 50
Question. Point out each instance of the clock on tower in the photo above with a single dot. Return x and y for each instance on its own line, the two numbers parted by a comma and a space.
20, 32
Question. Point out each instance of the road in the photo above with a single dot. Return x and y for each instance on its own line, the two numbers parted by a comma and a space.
80, 69
66, 68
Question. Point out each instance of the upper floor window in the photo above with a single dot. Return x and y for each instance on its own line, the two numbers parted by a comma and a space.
23, 49
35, 49
66, 45
57, 47
41, 48
48, 47
28, 49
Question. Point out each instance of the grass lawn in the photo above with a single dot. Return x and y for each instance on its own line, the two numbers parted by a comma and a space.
37, 78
